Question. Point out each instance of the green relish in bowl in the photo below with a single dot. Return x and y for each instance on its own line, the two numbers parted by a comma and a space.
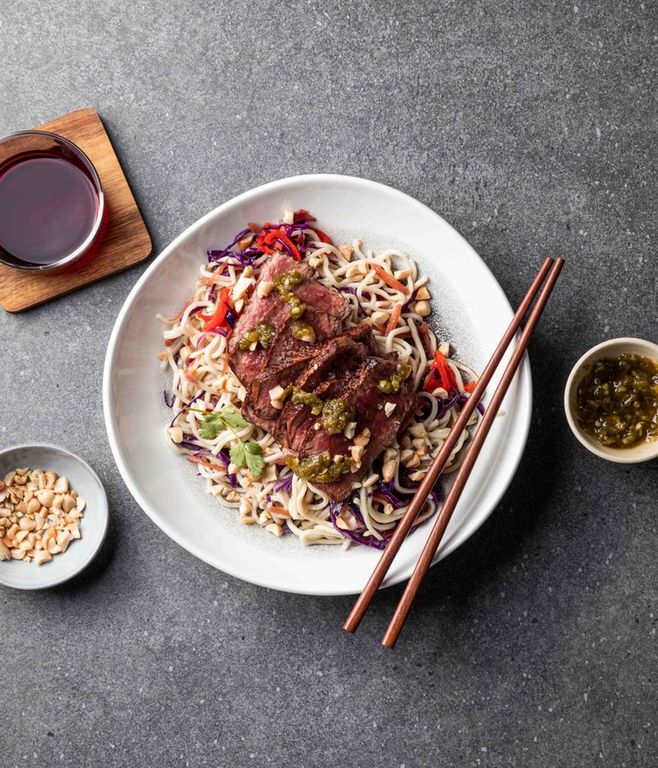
617, 400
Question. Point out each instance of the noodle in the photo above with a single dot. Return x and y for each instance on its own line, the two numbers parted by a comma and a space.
280, 501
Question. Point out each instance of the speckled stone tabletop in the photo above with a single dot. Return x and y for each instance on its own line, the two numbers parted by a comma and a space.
531, 127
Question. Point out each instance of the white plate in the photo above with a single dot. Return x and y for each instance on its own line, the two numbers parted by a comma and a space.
469, 307
83, 479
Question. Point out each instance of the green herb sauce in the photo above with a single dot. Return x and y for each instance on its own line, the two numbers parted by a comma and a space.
262, 334
303, 332
388, 386
617, 401
284, 283
300, 397
320, 468
336, 415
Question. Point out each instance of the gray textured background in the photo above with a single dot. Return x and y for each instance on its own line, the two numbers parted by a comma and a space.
532, 128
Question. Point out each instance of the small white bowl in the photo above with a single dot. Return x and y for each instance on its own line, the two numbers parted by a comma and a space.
93, 527
642, 452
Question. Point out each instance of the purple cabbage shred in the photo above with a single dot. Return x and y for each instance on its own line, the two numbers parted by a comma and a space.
231, 318
388, 492
354, 536
284, 484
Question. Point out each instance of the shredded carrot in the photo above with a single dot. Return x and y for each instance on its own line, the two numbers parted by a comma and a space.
204, 462
393, 320
280, 462
169, 342
388, 278
470, 386
280, 511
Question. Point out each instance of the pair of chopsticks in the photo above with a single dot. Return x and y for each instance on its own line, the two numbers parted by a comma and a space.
549, 272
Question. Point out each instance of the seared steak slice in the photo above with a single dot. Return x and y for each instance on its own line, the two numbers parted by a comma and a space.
362, 391
326, 310
344, 366
257, 406
305, 366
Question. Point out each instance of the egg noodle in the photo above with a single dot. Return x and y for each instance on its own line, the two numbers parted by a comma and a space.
197, 363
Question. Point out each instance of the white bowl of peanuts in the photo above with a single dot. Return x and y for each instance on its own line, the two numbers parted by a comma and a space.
53, 516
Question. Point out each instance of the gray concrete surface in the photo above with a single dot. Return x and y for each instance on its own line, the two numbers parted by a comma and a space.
532, 128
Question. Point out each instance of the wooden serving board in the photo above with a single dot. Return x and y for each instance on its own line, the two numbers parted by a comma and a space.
124, 240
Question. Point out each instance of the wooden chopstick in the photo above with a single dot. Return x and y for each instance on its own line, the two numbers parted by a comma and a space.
407, 520
443, 518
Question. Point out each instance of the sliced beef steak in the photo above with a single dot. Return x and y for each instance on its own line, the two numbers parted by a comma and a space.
368, 401
339, 365
304, 367
326, 311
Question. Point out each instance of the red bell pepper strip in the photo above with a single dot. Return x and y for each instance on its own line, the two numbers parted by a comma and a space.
276, 238
283, 238
324, 237
440, 375
218, 318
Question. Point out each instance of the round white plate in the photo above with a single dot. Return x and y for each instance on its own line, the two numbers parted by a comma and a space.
470, 310
93, 527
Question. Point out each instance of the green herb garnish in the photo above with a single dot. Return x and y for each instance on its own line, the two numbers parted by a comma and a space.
217, 421
249, 454
242, 453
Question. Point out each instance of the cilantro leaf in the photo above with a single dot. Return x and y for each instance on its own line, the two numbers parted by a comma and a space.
233, 418
249, 454
255, 462
215, 422
211, 425
237, 454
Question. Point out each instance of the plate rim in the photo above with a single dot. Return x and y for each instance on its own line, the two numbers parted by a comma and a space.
524, 377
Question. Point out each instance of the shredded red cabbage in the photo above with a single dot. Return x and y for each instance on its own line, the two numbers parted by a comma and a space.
446, 405
242, 257
285, 484
463, 398
192, 445
349, 289
388, 492
169, 398
231, 318
232, 478
335, 508
185, 407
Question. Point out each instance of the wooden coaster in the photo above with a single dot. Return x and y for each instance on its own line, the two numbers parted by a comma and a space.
124, 241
